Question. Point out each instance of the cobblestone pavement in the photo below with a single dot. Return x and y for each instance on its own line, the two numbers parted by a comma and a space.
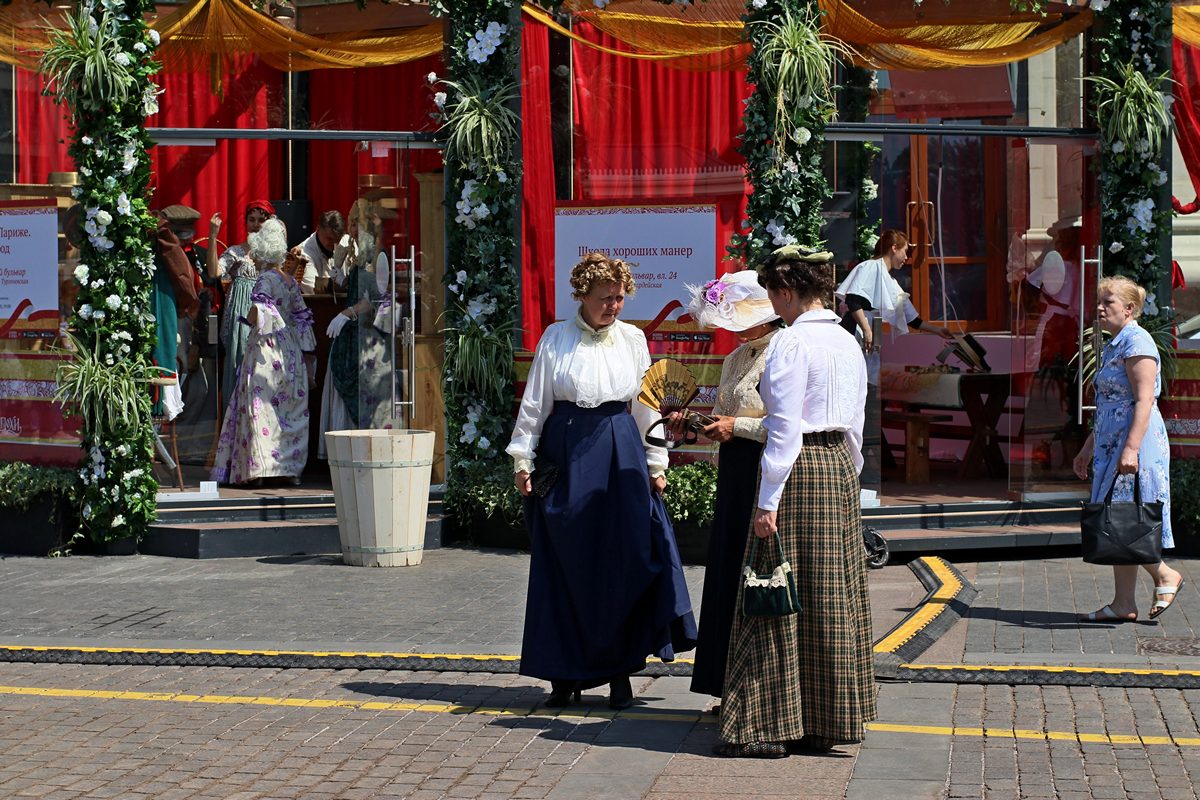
69, 731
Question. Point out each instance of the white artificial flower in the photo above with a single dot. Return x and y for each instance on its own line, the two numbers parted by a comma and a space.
110, 182
140, 47
791, 166
154, 37
502, 176
802, 135
1118, 146
113, 302
431, 77
86, 140
439, 99
118, 520
103, 218
601, 3
484, 443
870, 189
124, 207
1099, 5
454, 288
760, 4
76, 192
1150, 307
461, 276
85, 311
99, 315
84, 171
1116, 247
121, 59
81, 274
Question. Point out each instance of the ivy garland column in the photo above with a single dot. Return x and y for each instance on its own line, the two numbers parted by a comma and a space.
858, 84
1132, 42
784, 141
483, 170
100, 68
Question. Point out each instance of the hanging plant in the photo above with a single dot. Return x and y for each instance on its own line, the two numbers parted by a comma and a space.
858, 86
485, 125
1132, 41
785, 118
100, 66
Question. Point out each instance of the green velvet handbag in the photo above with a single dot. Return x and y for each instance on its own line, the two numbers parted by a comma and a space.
770, 595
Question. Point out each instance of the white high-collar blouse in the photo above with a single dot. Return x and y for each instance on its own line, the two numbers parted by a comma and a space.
579, 364
815, 380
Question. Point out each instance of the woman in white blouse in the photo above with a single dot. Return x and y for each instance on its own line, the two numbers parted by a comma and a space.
606, 586
805, 682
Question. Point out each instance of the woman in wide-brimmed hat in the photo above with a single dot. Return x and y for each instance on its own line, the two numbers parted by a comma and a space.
734, 302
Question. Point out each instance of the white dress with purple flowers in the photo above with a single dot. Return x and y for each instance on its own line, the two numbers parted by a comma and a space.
265, 432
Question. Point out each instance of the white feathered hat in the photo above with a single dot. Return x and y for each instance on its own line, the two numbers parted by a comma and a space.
733, 301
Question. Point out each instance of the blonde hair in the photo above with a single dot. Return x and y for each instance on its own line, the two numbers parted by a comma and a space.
597, 268
1124, 290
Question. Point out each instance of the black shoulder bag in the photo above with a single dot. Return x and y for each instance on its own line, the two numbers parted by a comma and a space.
1122, 533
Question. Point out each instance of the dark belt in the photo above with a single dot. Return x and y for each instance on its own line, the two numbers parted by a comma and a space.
611, 408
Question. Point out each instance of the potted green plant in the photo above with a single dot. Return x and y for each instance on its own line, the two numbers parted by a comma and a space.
486, 507
39, 507
1185, 515
690, 500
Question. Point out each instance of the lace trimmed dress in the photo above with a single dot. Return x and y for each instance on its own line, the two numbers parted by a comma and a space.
1114, 414
265, 431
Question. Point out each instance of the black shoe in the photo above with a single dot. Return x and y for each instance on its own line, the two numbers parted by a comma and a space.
752, 750
620, 694
562, 693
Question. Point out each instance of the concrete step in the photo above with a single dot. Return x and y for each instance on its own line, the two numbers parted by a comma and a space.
246, 539
924, 541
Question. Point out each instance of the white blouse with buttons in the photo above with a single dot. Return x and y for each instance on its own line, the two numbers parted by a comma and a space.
579, 364
815, 380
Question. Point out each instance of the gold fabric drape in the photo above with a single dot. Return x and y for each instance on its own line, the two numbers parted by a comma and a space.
203, 32
1186, 20
682, 44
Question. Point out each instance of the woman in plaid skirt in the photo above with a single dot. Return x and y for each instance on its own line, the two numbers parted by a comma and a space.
805, 682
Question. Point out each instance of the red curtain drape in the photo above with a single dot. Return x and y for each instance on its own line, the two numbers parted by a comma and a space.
537, 232
42, 131
393, 98
1186, 108
645, 131
226, 176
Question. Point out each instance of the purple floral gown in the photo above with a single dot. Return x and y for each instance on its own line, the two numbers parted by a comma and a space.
265, 432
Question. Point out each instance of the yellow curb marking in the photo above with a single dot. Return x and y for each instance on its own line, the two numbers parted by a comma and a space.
1054, 669
598, 713
313, 653
1018, 733
928, 611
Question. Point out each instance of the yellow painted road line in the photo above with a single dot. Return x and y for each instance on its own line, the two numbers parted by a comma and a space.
1051, 668
596, 713
1018, 733
928, 611
365, 705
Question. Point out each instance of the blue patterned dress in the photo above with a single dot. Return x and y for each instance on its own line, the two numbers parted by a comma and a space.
1114, 414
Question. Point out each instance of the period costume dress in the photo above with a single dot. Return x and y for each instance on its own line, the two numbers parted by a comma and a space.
358, 389
810, 672
265, 431
606, 586
236, 264
1114, 414
737, 479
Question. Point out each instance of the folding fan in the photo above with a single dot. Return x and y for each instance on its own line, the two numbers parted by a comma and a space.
669, 386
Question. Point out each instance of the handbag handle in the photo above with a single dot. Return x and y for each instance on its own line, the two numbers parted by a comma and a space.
752, 556
1137, 494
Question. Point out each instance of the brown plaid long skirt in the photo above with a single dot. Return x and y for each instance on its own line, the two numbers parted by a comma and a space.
810, 672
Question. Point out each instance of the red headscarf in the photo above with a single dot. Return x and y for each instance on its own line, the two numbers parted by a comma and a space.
261, 205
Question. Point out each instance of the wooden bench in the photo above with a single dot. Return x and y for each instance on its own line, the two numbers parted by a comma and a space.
916, 440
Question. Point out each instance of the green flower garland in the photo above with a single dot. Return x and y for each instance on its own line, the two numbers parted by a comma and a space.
483, 284
1135, 219
787, 174
100, 67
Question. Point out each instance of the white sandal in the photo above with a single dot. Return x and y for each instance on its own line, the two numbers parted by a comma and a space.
1161, 605
1105, 614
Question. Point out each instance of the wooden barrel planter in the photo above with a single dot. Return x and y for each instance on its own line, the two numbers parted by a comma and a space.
381, 487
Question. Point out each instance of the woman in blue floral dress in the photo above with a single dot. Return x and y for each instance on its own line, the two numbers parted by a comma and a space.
1129, 438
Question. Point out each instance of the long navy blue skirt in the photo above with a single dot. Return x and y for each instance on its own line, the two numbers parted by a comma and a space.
737, 489
606, 587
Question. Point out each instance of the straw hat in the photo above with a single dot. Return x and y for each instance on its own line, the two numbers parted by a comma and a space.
734, 302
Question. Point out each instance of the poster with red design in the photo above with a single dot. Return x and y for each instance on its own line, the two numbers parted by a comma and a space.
667, 247
32, 427
29, 269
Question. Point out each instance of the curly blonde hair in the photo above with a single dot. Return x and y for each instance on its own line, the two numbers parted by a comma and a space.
596, 268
